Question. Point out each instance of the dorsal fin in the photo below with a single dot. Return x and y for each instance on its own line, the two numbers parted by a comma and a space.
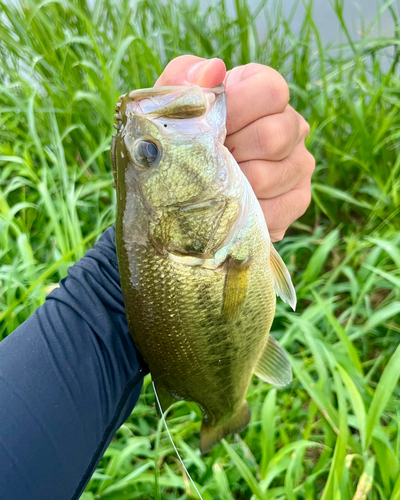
282, 281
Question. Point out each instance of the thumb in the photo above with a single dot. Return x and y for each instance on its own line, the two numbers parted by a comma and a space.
189, 70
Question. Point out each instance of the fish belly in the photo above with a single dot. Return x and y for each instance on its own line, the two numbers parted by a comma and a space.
175, 314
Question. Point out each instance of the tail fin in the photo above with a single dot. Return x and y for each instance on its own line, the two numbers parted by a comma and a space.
210, 436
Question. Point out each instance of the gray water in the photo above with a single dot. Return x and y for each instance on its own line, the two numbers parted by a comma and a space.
363, 18
328, 24
356, 14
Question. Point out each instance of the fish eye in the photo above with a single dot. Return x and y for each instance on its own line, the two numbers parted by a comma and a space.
146, 153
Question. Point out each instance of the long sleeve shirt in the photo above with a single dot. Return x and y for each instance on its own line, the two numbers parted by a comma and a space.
69, 377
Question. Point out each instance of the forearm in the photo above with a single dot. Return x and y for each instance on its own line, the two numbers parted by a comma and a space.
69, 377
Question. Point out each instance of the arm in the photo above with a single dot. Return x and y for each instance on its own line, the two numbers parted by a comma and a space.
69, 377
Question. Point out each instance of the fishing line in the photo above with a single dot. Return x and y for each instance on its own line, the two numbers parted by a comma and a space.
172, 442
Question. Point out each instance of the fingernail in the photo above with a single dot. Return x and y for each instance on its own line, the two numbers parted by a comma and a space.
197, 70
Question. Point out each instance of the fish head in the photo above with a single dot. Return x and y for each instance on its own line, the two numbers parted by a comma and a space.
171, 168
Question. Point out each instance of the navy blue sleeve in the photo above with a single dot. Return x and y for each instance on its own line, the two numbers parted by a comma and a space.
69, 377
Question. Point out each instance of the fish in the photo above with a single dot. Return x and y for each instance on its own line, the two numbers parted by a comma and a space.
199, 274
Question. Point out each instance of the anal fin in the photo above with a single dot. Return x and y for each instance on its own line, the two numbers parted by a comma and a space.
165, 398
210, 436
274, 366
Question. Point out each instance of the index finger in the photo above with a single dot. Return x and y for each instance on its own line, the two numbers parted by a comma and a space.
252, 92
190, 70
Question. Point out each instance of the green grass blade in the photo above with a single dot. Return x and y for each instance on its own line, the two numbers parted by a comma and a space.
383, 393
357, 404
366, 480
320, 256
268, 418
244, 471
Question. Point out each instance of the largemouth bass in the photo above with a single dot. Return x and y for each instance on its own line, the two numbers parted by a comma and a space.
199, 274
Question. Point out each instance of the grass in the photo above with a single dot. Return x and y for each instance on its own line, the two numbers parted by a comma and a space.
334, 433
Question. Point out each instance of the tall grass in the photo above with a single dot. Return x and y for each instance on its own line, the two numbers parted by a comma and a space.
335, 432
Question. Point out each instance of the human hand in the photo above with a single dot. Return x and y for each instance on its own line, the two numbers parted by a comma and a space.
264, 134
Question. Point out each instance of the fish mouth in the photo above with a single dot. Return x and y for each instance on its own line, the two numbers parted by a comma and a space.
170, 102
151, 92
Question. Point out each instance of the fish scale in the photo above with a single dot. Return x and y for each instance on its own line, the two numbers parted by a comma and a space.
198, 272
167, 301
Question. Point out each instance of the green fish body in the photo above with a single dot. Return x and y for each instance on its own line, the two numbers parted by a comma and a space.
198, 272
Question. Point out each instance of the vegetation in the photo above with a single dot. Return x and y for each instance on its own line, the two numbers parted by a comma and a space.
334, 433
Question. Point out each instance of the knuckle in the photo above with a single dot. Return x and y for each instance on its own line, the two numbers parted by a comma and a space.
277, 235
276, 214
279, 90
304, 201
309, 164
271, 139
253, 67
301, 124
287, 172
304, 163
262, 138
278, 141
254, 173
305, 126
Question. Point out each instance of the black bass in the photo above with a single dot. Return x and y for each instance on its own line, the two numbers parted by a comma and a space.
198, 271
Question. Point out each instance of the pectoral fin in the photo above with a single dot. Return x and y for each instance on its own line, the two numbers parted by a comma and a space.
274, 366
236, 285
282, 281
